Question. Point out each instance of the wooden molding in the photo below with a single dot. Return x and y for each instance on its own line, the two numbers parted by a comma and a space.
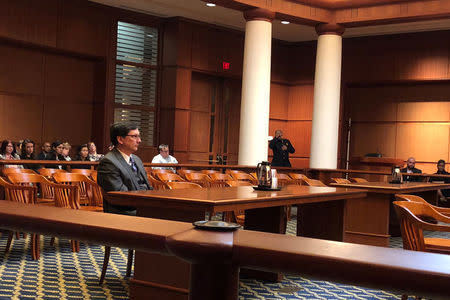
334, 29
259, 14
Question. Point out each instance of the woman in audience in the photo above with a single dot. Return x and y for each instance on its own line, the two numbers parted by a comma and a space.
27, 152
65, 151
82, 155
56, 154
8, 152
93, 156
444, 194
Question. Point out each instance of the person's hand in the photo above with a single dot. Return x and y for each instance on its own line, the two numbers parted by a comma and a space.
284, 148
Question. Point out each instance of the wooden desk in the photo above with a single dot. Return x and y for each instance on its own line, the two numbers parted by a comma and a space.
374, 215
322, 211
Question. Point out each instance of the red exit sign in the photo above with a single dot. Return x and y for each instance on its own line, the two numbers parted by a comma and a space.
225, 65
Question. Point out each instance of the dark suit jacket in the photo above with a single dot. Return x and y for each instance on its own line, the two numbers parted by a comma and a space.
280, 156
411, 178
115, 174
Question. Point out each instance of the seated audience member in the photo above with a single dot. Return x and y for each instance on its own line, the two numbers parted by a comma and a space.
443, 194
45, 154
93, 155
56, 154
411, 169
28, 153
8, 152
164, 158
82, 155
65, 151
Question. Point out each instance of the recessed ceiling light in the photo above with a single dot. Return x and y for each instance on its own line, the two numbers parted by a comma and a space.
285, 22
210, 4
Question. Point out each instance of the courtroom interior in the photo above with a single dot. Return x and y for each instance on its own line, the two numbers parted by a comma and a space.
224, 149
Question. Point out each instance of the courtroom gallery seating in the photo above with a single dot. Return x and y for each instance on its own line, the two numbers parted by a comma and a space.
155, 183
48, 172
219, 179
7, 171
357, 179
199, 178
168, 177
340, 180
182, 185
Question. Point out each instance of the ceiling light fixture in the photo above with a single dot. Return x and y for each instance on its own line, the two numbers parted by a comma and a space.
210, 4
285, 22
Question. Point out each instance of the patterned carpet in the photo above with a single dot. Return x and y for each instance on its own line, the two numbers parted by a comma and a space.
61, 274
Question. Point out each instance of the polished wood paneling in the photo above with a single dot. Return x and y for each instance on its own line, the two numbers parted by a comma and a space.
30, 21
300, 105
299, 133
426, 142
181, 138
370, 138
199, 131
279, 101
22, 71
424, 111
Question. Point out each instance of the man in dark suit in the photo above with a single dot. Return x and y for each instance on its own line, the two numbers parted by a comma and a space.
411, 169
45, 154
120, 169
281, 149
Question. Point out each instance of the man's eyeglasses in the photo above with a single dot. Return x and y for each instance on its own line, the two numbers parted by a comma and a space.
134, 136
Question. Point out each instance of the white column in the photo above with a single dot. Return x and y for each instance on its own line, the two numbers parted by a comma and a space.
327, 87
255, 101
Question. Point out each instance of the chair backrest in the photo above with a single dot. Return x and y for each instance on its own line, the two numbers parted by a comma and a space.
244, 177
168, 177
340, 180
155, 172
229, 171
46, 191
183, 172
88, 189
312, 182
238, 183
19, 193
182, 185
199, 178
155, 183
66, 196
409, 214
94, 175
414, 198
298, 178
284, 179
7, 171
86, 172
207, 172
48, 172
219, 179
358, 179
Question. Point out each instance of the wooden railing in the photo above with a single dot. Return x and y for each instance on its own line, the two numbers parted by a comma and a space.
217, 256
310, 172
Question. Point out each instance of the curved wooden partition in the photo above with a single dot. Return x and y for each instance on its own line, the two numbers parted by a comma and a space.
217, 256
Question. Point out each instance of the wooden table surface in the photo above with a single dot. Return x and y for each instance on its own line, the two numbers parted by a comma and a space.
393, 188
231, 198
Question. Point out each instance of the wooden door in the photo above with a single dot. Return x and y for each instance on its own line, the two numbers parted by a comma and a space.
214, 119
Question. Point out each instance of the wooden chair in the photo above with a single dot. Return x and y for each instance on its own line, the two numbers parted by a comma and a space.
208, 172
182, 185
253, 174
85, 172
358, 180
238, 183
415, 198
168, 177
7, 171
183, 172
219, 179
89, 191
284, 179
155, 183
229, 171
244, 177
312, 182
297, 178
155, 172
22, 194
46, 193
199, 178
412, 227
94, 175
48, 173
340, 180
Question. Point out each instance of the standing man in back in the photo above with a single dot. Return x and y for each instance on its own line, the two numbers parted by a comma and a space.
120, 169
281, 148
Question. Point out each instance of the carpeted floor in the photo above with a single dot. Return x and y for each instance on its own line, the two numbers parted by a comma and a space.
61, 274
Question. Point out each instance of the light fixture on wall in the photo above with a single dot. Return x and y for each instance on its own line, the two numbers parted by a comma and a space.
210, 4
285, 22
